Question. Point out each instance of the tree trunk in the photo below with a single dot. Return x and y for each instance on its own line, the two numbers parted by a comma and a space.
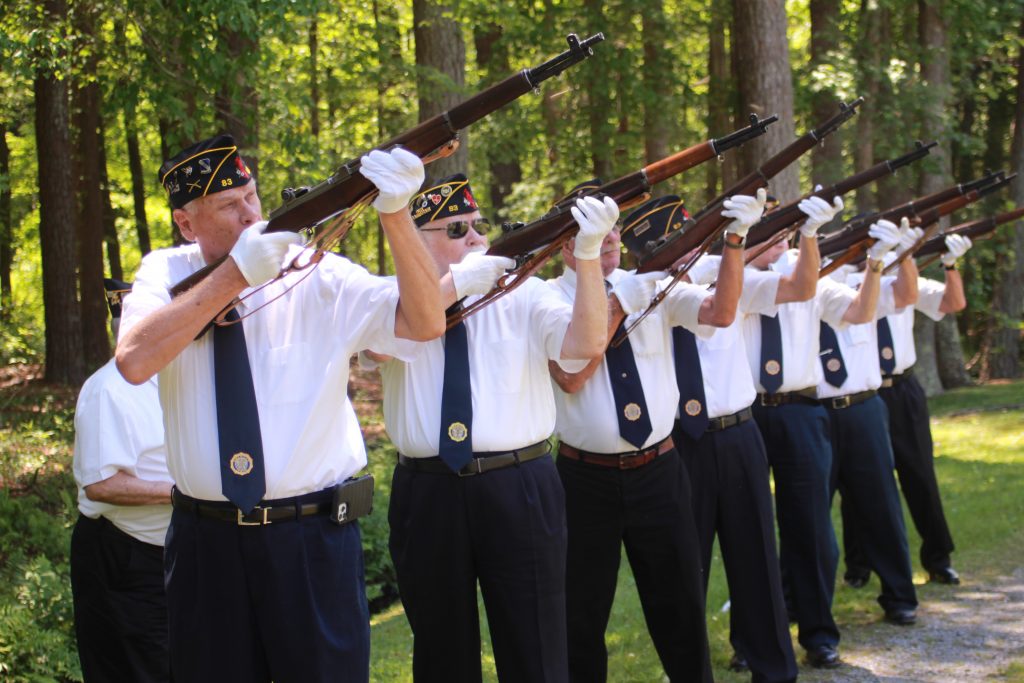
948, 354
237, 99
657, 81
95, 340
719, 97
597, 85
314, 75
441, 58
62, 315
872, 22
389, 54
503, 160
765, 83
826, 158
1003, 359
109, 216
926, 371
6, 225
138, 180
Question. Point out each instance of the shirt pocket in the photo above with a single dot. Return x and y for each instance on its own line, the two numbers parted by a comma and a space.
648, 339
855, 335
289, 373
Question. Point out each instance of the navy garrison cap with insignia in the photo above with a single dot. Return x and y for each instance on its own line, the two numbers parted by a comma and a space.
451, 196
206, 167
651, 220
583, 189
116, 291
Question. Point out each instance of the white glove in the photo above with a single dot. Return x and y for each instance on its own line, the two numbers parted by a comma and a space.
908, 235
819, 212
886, 236
477, 273
259, 255
398, 175
635, 292
956, 246
596, 219
745, 210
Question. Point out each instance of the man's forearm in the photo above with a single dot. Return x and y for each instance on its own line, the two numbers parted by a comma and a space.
904, 289
157, 339
802, 283
124, 489
587, 335
953, 299
420, 314
719, 309
862, 308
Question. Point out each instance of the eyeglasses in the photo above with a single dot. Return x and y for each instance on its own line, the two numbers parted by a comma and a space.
458, 229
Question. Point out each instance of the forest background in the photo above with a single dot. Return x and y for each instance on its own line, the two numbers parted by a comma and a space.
96, 93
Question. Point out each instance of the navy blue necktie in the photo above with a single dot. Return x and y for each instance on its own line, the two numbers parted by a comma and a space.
628, 392
831, 357
455, 445
886, 350
771, 353
242, 477
693, 413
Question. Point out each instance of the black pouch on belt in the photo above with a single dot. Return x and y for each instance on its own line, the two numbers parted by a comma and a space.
353, 498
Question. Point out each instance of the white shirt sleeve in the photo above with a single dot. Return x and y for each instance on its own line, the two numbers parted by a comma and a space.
682, 308
106, 441
834, 298
929, 299
549, 317
886, 297
760, 289
150, 291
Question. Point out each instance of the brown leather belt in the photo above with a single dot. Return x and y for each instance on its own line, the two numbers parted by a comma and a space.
805, 396
483, 463
267, 512
620, 461
717, 424
889, 381
839, 402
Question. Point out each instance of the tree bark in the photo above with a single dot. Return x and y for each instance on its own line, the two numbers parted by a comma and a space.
826, 158
597, 84
441, 58
492, 59
657, 80
6, 225
719, 173
138, 179
314, 75
389, 118
237, 100
95, 340
765, 82
926, 371
62, 316
109, 216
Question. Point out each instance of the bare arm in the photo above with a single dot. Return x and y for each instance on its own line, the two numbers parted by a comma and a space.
158, 339
904, 289
953, 299
587, 335
571, 382
124, 489
862, 308
802, 283
420, 313
719, 309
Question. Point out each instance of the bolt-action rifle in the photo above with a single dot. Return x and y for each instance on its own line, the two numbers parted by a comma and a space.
981, 229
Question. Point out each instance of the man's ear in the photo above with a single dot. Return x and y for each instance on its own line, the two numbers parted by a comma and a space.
184, 221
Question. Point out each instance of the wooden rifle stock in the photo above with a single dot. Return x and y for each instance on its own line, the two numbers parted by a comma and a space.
307, 207
980, 229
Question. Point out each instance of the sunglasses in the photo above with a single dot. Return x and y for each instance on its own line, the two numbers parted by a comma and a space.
458, 229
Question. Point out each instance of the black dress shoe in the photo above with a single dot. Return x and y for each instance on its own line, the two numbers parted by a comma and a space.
823, 657
857, 580
946, 575
900, 616
738, 663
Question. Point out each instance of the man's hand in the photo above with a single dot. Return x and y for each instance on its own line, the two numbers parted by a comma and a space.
477, 273
886, 236
744, 210
908, 236
398, 175
258, 255
819, 212
635, 292
596, 219
956, 246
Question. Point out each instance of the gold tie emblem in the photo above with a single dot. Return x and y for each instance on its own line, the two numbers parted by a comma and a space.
772, 367
241, 463
833, 364
692, 407
632, 412
457, 432
887, 353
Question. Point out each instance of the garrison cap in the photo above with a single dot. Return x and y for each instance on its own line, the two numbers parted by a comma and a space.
584, 188
450, 196
116, 291
206, 167
653, 219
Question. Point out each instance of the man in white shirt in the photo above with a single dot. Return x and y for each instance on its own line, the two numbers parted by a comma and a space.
623, 479
782, 351
117, 546
728, 466
909, 425
475, 495
261, 584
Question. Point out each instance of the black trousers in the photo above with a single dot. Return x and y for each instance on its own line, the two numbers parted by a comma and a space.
648, 510
862, 472
732, 496
911, 437
285, 602
120, 608
796, 437
505, 529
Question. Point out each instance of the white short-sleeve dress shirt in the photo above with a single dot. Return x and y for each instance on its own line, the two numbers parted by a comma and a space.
587, 419
299, 346
119, 428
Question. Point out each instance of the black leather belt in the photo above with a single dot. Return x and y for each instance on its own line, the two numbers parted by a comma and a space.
267, 512
839, 402
483, 463
717, 424
629, 460
805, 396
889, 381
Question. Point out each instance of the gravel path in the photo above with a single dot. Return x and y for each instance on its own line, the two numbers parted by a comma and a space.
971, 632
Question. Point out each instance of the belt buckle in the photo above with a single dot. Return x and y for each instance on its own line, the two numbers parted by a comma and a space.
770, 400
841, 401
262, 522
626, 460
469, 471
